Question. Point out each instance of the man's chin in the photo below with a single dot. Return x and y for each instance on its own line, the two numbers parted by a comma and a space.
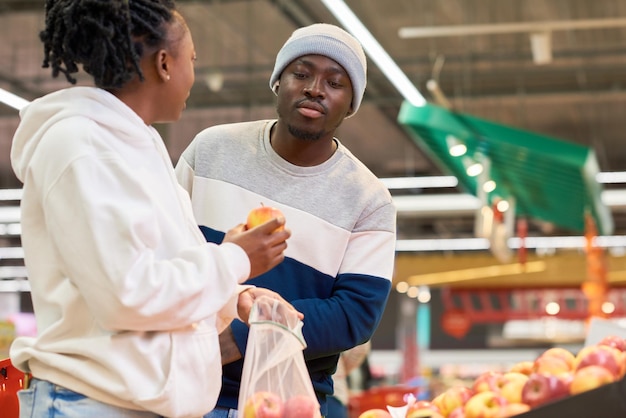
304, 134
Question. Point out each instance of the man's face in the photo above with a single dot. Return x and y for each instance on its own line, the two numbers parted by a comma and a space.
314, 96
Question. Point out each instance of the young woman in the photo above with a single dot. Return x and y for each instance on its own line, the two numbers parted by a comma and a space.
128, 296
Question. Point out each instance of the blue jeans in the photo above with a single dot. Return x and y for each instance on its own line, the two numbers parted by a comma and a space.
47, 400
222, 413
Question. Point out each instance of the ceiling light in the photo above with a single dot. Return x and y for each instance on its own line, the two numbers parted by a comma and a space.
423, 295
214, 80
541, 47
489, 186
420, 182
502, 205
458, 150
12, 100
509, 27
455, 147
611, 177
376, 52
413, 292
402, 287
474, 169
553, 308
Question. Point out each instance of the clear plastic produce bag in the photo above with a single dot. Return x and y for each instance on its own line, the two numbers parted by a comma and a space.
275, 382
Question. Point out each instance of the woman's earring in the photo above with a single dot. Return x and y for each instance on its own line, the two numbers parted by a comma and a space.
167, 77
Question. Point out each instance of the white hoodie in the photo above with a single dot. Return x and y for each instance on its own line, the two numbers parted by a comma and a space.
128, 296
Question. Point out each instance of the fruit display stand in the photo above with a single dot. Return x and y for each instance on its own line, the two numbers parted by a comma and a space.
608, 401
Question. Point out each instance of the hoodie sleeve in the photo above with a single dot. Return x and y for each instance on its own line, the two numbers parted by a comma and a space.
129, 242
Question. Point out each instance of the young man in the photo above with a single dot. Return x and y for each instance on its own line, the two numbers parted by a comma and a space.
339, 262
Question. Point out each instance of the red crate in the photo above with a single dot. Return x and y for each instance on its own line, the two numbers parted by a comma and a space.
380, 397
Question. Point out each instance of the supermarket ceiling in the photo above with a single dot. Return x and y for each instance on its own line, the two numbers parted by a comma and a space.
572, 86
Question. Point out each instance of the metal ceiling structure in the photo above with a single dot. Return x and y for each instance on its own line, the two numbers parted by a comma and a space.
480, 53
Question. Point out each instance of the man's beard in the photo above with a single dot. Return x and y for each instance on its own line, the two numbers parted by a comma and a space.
304, 135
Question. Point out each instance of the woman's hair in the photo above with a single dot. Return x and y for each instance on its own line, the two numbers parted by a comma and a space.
106, 37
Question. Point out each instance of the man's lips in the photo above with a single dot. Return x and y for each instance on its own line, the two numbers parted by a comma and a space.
311, 109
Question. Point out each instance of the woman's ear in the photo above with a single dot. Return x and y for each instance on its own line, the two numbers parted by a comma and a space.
161, 60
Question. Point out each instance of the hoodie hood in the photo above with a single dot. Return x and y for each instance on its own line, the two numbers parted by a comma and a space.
93, 103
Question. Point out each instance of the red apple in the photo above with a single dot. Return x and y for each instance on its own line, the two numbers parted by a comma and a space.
555, 360
375, 413
486, 381
511, 385
600, 355
559, 352
614, 341
551, 365
524, 367
458, 412
423, 409
262, 214
484, 404
263, 405
590, 377
452, 398
543, 388
301, 406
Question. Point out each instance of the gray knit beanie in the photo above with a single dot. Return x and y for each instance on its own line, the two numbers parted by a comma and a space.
329, 41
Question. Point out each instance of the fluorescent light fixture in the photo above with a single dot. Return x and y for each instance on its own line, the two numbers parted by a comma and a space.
611, 177
420, 182
482, 244
376, 52
541, 47
12, 100
451, 181
510, 27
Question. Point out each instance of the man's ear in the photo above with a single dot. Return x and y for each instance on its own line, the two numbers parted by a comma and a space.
276, 86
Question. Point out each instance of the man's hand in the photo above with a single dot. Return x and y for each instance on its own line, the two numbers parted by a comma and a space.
264, 246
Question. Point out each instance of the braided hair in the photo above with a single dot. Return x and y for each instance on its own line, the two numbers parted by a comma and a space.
106, 37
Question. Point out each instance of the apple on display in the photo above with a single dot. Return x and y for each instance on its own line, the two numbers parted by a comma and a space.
555, 360
452, 398
423, 409
542, 388
486, 381
486, 404
614, 341
601, 355
511, 385
525, 367
590, 377
375, 413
